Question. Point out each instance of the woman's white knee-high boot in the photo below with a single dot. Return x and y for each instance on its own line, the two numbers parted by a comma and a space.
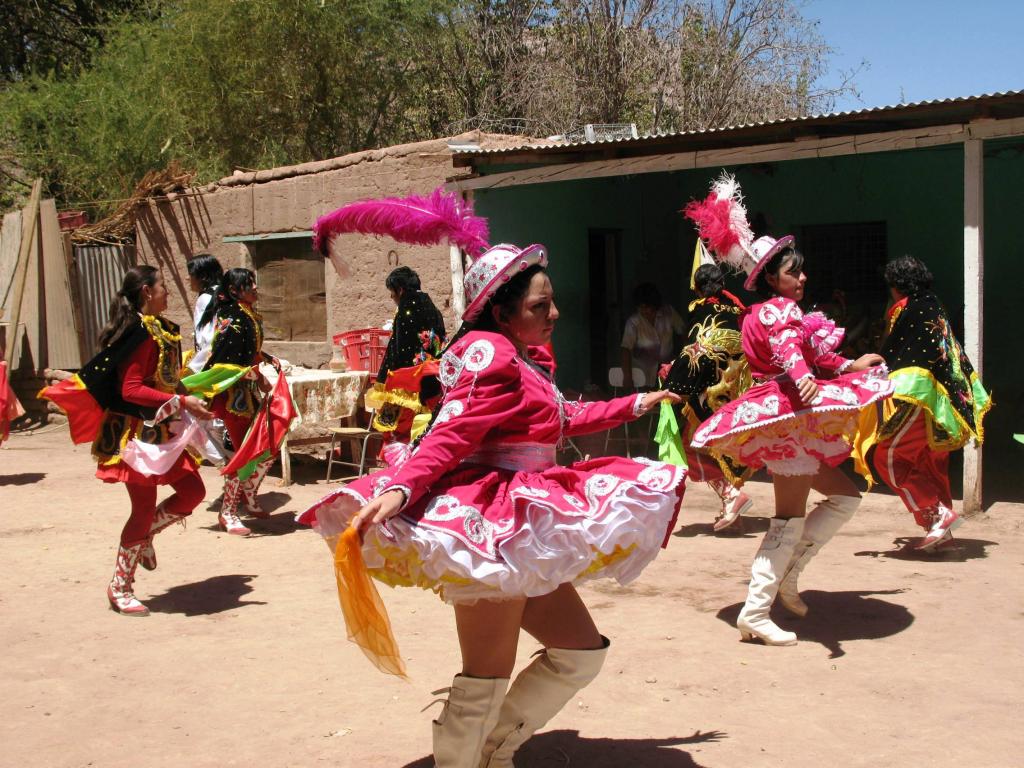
822, 523
770, 562
469, 714
538, 694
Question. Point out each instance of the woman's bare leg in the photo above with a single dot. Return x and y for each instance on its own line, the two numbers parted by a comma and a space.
489, 635
559, 619
823, 522
791, 493
773, 555
489, 630
830, 481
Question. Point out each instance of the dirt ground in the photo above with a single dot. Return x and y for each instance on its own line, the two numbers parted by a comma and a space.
905, 661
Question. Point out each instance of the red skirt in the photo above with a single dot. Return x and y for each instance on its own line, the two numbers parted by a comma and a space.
117, 430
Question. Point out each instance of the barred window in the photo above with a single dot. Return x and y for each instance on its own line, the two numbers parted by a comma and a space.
845, 269
848, 257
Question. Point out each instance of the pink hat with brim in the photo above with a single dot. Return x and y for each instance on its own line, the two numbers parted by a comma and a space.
495, 267
763, 249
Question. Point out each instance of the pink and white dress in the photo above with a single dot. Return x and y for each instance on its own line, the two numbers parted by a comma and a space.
769, 426
488, 513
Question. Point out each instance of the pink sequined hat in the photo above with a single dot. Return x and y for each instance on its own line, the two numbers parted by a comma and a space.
763, 249
495, 267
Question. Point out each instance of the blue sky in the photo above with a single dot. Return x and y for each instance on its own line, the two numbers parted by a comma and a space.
922, 49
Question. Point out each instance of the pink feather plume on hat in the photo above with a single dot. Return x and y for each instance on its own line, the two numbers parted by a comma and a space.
721, 220
416, 219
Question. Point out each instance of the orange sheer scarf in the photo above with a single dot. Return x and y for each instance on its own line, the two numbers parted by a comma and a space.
366, 618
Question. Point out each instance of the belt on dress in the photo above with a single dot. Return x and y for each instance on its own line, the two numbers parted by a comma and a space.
518, 457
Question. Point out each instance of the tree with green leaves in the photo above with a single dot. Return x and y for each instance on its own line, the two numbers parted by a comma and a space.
225, 84
221, 84
39, 37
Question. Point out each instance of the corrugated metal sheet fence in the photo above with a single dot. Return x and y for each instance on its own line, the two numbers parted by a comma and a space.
101, 268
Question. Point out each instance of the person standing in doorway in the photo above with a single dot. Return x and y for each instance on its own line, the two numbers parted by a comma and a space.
649, 336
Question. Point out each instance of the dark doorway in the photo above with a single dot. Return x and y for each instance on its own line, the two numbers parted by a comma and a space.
606, 318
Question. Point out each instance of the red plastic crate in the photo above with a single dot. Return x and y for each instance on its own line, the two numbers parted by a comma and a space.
72, 220
364, 349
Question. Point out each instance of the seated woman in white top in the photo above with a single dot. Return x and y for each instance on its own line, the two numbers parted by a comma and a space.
647, 341
204, 273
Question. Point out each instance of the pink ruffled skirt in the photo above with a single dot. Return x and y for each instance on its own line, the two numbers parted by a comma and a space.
770, 427
488, 532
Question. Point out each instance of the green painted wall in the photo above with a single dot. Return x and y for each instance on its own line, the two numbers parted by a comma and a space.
561, 215
918, 193
1004, 318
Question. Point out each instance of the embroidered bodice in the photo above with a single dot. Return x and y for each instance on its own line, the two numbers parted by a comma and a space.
493, 397
779, 339
237, 336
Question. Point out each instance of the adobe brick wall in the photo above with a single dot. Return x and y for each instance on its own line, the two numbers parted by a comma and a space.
290, 199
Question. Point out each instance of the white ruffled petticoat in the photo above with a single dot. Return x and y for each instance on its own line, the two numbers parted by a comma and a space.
492, 532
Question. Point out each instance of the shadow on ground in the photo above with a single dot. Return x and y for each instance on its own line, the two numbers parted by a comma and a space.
24, 478
835, 617
956, 551
278, 524
202, 598
745, 527
557, 749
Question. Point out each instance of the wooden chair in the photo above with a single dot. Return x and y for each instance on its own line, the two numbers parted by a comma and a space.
355, 434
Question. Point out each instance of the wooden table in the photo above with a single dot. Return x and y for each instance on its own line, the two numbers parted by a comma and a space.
321, 398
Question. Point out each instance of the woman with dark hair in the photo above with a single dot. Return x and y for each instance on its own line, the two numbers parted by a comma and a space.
238, 345
648, 335
114, 399
938, 405
799, 419
480, 513
417, 336
204, 274
710, 371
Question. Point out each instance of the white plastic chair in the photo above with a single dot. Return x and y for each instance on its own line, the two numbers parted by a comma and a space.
616, 382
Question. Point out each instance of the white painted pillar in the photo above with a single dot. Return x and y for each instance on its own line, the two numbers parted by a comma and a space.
458, 267
458, 287
974, 298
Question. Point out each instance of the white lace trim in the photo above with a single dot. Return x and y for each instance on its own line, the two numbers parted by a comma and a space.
550, 548
879, 387
638, 405
796, 466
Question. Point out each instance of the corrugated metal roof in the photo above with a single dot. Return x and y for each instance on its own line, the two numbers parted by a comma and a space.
891, 111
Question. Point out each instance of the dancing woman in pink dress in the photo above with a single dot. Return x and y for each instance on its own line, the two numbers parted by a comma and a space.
799, 419
480, 513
